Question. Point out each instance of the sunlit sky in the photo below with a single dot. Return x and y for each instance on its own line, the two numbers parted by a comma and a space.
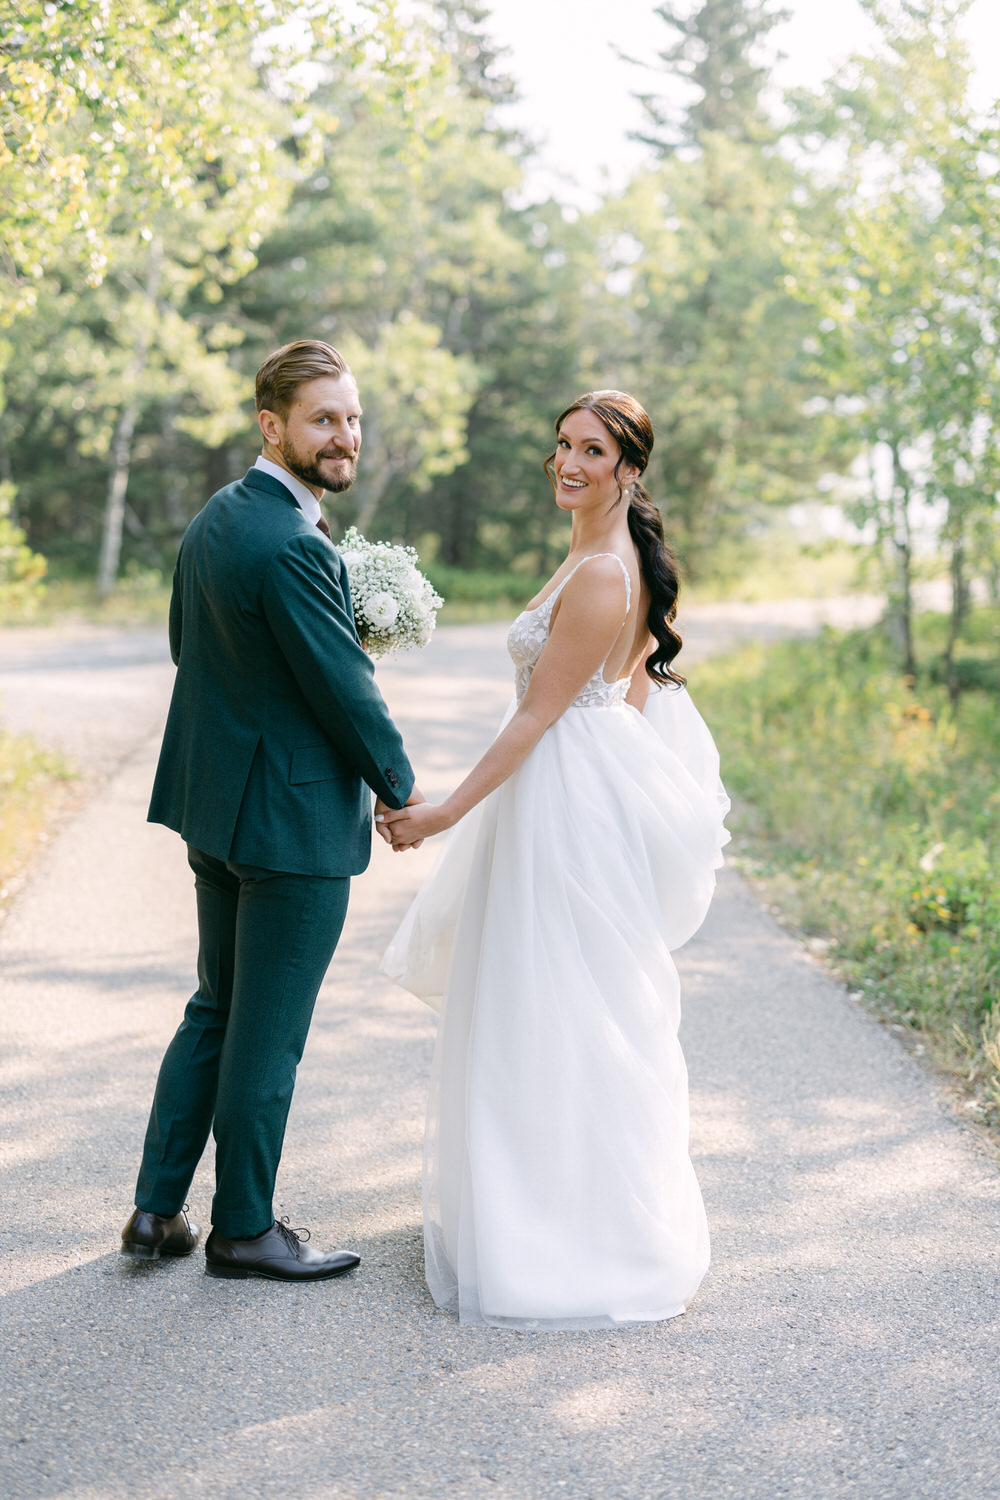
576, 93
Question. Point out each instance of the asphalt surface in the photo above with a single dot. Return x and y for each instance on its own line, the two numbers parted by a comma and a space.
844, 1344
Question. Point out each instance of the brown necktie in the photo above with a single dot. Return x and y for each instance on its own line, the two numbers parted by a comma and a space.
324, 528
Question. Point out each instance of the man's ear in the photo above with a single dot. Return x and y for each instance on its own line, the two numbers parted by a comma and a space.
270, 426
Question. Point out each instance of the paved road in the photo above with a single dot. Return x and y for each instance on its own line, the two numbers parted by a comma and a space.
844, 1343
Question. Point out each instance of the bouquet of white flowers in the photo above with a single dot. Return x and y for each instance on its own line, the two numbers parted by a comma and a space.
395, 606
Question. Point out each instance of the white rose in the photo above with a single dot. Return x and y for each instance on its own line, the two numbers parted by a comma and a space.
413, 584
352, 559
381, 610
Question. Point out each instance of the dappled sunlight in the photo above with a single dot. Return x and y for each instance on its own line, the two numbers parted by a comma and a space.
604, 1405
853, 1232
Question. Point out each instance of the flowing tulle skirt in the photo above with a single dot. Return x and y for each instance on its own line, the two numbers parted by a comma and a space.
558, 1189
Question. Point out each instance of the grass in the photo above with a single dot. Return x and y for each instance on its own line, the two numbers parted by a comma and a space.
782, 566
868, 811
35, 786
784, 569
474, 594
141, 597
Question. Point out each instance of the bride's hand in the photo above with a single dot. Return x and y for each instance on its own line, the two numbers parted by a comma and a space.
408, 826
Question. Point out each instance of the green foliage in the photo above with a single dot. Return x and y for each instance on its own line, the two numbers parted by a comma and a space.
902, 265
142, 163
417, 394
717, 341
779, 565
178, 195
21, 571
499, 593
402, 247
701, 323
108, 107
957, 891
871, 813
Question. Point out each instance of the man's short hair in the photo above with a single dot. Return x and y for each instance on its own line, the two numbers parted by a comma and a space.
281, 374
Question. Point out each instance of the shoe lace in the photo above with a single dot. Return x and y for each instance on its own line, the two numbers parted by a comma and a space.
289, 1235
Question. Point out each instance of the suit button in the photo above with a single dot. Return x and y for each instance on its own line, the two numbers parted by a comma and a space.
391, 776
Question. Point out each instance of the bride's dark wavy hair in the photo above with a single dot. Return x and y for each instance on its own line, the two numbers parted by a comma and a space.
632, 430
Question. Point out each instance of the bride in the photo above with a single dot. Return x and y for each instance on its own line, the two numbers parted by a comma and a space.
558, 1189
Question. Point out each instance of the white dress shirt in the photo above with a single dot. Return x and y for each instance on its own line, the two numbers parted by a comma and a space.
302, 494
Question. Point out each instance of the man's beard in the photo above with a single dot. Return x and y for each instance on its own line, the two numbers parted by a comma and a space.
308, 470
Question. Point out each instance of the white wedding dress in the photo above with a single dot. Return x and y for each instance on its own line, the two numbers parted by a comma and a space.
558, 1189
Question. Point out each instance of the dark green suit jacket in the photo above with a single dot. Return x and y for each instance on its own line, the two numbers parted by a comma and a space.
276, 729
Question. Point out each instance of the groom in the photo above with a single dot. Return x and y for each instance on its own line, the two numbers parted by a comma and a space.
276, 731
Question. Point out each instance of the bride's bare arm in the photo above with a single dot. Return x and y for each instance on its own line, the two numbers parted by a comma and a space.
585, 625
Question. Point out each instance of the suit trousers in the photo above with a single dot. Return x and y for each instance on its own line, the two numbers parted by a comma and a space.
265, 942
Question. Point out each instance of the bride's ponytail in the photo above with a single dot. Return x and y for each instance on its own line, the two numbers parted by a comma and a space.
632, 430
659, 568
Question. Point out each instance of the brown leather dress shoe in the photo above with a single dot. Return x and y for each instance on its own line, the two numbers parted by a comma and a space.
278, 1254
148, 1236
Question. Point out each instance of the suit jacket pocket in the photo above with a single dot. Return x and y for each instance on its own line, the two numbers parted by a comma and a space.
316, 763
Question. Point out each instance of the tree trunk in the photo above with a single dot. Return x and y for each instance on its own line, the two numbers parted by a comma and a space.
173, 489
121, 448
901, 599
7, 477
959, 609
379, 475
371, 499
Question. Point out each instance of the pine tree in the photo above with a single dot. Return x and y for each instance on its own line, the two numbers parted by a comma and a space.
716, 51
716, 334
462, 28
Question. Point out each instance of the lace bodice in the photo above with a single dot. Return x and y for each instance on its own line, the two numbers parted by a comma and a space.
527, 637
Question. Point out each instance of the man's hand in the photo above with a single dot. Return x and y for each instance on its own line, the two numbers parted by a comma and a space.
410, 825
383, 812
381, 826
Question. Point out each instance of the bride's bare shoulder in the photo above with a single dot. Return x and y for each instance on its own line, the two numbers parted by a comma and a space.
604, 573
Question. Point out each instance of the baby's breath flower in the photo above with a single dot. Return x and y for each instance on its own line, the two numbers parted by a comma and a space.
395, 606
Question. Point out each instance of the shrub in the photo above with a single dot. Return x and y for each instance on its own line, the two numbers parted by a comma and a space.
21, 570
869, 807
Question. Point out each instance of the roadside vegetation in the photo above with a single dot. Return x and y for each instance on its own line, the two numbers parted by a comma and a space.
142, 598
35, 786
868, 815
784, 568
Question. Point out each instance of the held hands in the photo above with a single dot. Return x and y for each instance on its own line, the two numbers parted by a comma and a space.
408, 826
384, 814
